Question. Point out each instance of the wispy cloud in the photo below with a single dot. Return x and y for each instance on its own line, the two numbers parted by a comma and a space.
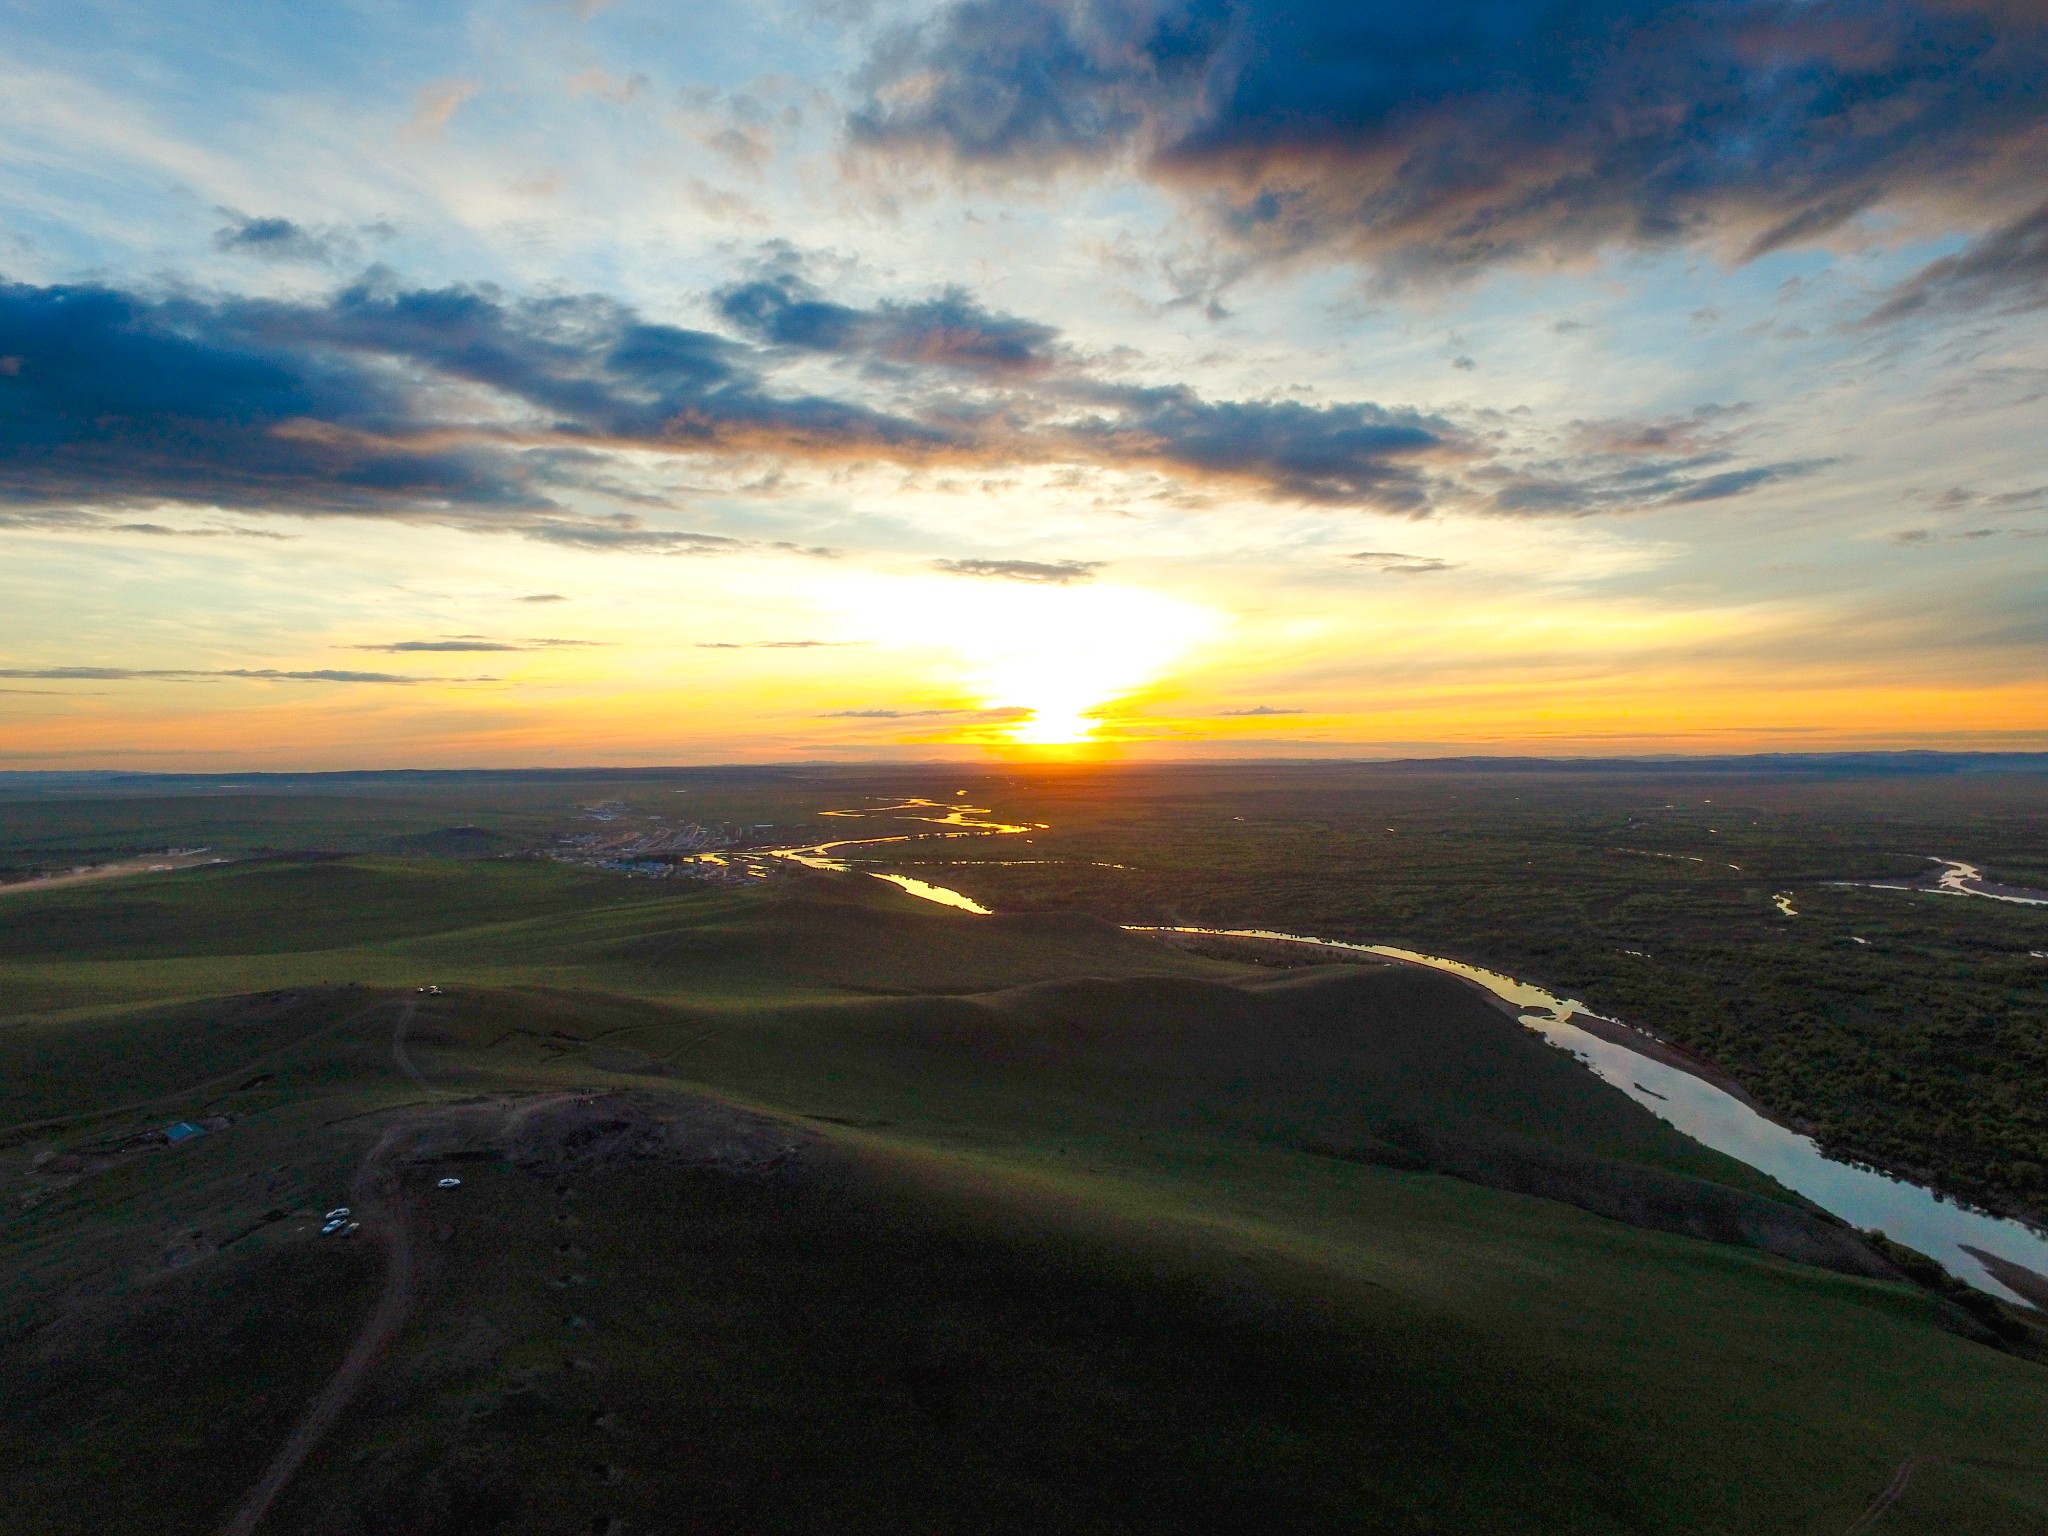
1002, 715
191, 674
1394, 563
773, 645
890, 714
472, 643
78, 520
1257, 710
1054, 573
2007, 269
436, 105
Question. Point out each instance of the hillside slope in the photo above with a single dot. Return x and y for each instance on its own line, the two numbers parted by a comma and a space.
816, 1208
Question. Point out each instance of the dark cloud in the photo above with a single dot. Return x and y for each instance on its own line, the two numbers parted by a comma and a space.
1393, 563
1356, 454
467, 408
541, 597
1257, 710
454, 402
950, 330
275, 239
1736, 482
1444, 138
2007, 269
185, 674
1054, 573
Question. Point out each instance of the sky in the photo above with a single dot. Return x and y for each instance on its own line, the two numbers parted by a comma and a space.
570, 382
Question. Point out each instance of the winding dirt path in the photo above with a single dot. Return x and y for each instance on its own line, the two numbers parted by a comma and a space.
378, 1197
380, 1204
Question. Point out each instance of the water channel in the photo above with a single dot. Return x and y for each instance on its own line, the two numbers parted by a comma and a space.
1867, 1199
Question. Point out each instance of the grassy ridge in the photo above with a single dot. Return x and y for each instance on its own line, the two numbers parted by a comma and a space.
1068, 1246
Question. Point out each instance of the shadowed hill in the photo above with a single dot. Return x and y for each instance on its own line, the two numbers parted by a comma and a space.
851, 1213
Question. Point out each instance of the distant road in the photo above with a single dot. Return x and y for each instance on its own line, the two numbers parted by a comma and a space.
161, 864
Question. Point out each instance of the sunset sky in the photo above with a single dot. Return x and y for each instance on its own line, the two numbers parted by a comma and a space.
410, 385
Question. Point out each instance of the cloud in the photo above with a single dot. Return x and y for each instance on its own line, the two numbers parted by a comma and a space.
1002, 715
619, 90
453, 403
1964, 535
437, 103
2007, 270
948, 330
622, 531
401, 646
890, 714
1056, 573
772, 645
1735, 482
1393, 563
1339, 454
465, 407
541, 597
1628, 465
185, 674
471, 643
161, 531
1441, 140
1261, 709
78, 520
279, 239
462, 406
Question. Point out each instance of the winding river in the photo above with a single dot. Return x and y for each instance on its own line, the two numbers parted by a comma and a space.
1959, 1238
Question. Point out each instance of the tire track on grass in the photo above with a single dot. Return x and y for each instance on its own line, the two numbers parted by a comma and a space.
1889, 1495
378, 1193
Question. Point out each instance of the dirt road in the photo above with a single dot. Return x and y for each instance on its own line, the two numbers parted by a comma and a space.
379, 1201
163, 864
377, 1196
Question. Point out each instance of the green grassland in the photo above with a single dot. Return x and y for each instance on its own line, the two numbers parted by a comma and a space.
1923, 1049
1062, 1230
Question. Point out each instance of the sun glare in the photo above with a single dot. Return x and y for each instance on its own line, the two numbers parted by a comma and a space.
1059, 652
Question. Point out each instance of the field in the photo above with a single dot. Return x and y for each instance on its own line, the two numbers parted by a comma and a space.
1923, 1048
805, 1205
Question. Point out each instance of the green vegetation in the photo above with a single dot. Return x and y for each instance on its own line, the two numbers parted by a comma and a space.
1923, 1049
1649, 894
810, 1206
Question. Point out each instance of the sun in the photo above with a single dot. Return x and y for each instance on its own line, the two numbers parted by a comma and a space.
1055, 654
